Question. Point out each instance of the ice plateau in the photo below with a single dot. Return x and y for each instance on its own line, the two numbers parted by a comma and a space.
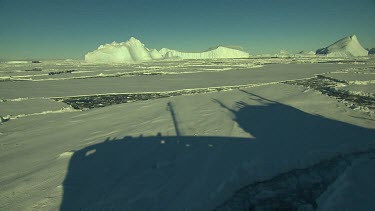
134, 50
345, 47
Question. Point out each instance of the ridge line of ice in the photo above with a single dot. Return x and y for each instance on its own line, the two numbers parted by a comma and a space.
62, 110
228, 88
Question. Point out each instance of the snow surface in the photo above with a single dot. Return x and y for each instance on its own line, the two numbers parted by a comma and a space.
348, 192
188, 152
160, 83
348, 46
134, 51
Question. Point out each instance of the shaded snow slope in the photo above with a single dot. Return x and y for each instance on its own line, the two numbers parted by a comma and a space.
133, 51
348, 46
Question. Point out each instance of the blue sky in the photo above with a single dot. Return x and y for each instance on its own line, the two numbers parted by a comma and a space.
58, 29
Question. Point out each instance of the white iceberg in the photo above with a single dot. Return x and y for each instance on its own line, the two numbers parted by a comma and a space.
219, 52
346, 47
133, 51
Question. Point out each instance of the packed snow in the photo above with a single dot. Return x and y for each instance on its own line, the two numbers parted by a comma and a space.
187, 134
133, 51
348, 46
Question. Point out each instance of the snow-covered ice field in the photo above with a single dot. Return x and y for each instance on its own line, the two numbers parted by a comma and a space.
231, 134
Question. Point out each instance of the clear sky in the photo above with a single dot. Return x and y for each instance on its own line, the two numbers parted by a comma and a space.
58, 29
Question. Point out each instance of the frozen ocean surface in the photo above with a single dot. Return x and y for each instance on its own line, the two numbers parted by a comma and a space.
220, 134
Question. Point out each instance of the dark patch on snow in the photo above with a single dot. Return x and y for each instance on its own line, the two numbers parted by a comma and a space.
4, 119
61, 72
97, 101
297, 189
144, 73
326, 85
36, 69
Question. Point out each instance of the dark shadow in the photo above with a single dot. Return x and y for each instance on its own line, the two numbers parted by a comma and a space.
280, 124
184, 172
111, 175
174, 118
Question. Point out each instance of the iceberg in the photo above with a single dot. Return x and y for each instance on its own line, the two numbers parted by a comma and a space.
305, 54
130, 51
346, 47
219, 52
134, 50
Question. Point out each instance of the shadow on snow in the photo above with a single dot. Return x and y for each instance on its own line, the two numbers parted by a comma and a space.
180, 172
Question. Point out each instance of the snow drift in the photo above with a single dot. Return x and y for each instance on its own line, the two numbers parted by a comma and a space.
346, 47
133, 51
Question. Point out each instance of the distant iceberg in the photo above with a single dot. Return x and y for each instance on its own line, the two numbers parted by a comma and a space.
214, 53
305, 54
346, 47
133, 51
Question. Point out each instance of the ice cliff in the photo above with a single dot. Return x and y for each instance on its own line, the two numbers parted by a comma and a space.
133, 51
346, 47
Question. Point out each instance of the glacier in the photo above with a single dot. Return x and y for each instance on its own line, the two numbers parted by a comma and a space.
345, 47
134, 50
